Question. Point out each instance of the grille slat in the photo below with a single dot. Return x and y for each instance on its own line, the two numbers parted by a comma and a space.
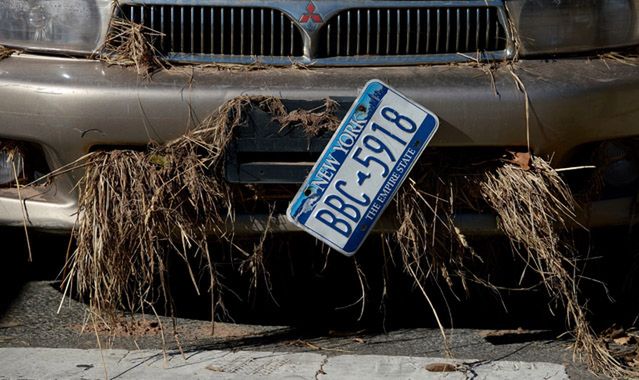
162, 34
428, 30
399, 32
408, 30
212, 21
202, 29
368, 32
252, 50
477, 27
388, 29
281, 34
379, 30
438, 30
497, 36
292, 39
242, 31
359, 35
348, 33
233, 30
467, 29
339, 30
261, 31
419, 22
458, 31
172, 26
181, 29
447, 30
413, 31
223, 29
272, 34
192, 29
488, 22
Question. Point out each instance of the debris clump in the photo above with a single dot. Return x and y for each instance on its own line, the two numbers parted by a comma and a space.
130, 44
6, 52
322, 118
139, 207
535, 210
535, 207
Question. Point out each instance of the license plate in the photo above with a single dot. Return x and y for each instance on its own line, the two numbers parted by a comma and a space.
361, 168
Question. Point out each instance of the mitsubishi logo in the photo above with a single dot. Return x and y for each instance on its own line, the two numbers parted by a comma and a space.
310, 15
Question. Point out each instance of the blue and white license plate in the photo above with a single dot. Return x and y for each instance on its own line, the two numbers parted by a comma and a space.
359, 172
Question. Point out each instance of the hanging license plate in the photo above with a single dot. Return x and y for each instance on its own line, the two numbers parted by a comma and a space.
361, 168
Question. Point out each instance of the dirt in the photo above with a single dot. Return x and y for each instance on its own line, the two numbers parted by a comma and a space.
145, 326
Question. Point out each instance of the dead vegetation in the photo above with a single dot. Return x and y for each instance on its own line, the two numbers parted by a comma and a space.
130, 44
623, 344
534, 207
6, 52
313, 122
431, 248
139, 208
624, 59
13, 154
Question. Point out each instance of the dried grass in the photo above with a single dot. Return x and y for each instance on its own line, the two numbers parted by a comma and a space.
137, 209
516, 38
314, 121
6, 52
130, 44
424, 229
631, 59
534, 207
14, 156
228, 67
430, 246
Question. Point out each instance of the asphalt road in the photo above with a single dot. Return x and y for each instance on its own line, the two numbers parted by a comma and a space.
32, 315
32, 320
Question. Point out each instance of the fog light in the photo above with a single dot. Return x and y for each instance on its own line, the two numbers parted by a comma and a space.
11, 166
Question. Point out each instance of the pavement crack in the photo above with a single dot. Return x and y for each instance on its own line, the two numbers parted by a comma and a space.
321, 371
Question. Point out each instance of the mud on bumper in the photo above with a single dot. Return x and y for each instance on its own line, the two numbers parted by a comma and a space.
69, 107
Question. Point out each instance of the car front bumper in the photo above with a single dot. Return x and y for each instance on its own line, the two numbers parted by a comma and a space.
70, 106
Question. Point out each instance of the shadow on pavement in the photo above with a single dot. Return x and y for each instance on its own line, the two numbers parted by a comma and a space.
48, 256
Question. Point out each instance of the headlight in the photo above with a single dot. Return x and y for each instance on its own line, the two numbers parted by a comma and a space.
567, 26
56, 25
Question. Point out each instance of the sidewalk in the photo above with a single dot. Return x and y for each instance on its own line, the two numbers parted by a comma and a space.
58, 363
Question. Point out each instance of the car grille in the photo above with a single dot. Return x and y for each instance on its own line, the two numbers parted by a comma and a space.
412, 31
206, 30
375, 33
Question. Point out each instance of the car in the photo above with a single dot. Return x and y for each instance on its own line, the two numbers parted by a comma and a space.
558, 77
